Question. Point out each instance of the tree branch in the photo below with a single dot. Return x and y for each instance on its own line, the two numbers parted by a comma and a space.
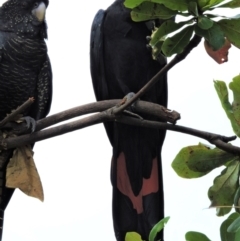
17, 112
216, 139
107, 115
141, 107
178, 58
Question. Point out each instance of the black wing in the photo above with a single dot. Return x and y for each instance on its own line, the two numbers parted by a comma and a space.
96, 57
40, 109
42, 104
97, 64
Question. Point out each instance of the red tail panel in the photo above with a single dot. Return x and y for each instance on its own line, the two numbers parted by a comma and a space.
149, 186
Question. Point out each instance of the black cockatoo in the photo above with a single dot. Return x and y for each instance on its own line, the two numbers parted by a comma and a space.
25, 69
120, 64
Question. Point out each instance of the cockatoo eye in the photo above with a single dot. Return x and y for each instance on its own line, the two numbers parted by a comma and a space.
35, 4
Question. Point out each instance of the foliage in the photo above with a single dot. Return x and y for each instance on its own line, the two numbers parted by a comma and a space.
172, 38
219, 32
232, 110
133, 236
193, 236
196, 161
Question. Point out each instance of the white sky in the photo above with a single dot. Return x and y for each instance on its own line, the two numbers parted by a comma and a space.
75, 168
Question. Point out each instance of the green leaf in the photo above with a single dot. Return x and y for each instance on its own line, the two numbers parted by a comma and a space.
237, 236
180, 163
203, 159
196, 236
237, 200
179, 5
148, 10
231, 4
224, 187
213, 35
235, 87
132, 3
204, 22
166, 27
156, 51
232, 111
132, 236
226, 236
193, 8
159, 35
203, 3
234, 226
157, 228
211, 3
231, 29
177, 43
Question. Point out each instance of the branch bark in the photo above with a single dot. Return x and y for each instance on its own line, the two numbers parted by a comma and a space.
108, 115
178, 58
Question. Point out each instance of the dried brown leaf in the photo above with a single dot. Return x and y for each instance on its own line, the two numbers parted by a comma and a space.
22, 173
220, 55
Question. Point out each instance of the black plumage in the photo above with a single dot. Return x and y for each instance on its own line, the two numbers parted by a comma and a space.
25, 69
120, 64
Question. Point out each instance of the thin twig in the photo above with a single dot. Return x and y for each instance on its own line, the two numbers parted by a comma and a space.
16, 112
216, 139
178, 58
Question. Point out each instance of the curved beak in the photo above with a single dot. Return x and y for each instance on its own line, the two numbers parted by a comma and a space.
40, 11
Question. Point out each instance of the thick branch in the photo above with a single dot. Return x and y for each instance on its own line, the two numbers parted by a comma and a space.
178, 58
141, 107
218, 140
13, 142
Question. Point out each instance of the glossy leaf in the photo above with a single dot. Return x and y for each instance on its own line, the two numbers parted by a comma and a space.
193, 8
132, 236
132, 3
157, 228
213, 35
234, 227
235, 87
180, 163
196, 236
179, 5
177, 43
156, 50
204, 22
231, 4
159, 35
167, 27
231, 29
237, 200
211, 3
148, 10
202, 3
224, 187
237, 236
203, 159
226, 236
